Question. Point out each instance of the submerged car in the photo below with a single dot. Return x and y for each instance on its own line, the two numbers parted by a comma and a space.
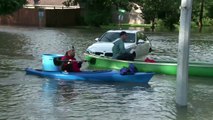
136, 40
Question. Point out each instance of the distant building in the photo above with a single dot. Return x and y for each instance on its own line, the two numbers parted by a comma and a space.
132, 17
61, 13
44, 13
135, 15
51, 4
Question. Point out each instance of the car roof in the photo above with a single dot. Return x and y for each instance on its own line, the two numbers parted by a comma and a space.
128, 31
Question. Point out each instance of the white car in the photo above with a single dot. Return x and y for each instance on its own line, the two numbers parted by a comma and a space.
104, 44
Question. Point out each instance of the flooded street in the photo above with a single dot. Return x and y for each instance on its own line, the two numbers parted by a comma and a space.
28, 97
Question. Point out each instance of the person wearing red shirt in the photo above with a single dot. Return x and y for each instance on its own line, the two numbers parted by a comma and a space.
70, 64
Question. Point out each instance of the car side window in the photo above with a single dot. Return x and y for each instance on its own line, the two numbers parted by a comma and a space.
141, 36
131, 38
138, 36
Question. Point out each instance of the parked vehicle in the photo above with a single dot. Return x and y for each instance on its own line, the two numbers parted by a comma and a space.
104, 44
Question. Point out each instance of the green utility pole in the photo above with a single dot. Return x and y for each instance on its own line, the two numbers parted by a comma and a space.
120, 16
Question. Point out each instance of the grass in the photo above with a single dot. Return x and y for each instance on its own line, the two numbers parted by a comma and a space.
124, 26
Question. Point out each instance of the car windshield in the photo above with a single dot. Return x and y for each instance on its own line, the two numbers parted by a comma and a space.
111, 36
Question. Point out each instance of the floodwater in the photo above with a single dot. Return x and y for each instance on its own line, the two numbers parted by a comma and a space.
26, 97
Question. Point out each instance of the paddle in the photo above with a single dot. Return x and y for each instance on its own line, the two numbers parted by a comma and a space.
91, 61
73, 48
57, 60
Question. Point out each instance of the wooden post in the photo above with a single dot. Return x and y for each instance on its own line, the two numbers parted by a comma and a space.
183, 53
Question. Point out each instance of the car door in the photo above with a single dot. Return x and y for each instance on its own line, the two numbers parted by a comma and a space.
142, 45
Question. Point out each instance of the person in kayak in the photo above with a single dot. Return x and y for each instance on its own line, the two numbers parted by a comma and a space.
70, 64
118, 50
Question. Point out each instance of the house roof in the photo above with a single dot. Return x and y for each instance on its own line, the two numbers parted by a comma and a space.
47, 2
50, 4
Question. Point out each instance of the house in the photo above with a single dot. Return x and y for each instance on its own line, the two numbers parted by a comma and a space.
134, 16
60, 13
44, 13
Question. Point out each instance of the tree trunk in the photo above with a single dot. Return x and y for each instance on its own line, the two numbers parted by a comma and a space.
200, 22
153, 24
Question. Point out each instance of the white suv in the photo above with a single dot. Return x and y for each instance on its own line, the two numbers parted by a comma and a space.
104, 44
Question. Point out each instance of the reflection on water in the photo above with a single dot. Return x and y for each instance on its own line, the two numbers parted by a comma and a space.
29, 97
63, 88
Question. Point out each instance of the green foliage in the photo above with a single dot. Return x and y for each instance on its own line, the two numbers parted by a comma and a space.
167, 10
150, 9
97, 12
9, 6
96, 18
208, 21
207, 11
210, 9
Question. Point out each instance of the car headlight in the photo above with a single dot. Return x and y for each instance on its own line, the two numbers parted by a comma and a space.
89, 51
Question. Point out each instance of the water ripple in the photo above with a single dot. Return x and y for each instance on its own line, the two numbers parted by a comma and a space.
34, 98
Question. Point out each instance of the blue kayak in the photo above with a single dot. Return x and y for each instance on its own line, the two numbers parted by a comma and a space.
114, 76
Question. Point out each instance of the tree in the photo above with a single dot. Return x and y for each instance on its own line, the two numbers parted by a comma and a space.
69, 2
210, 9
99, 12
202, 9
200, 21
171, 13
9, 6
167, 10
150, 11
